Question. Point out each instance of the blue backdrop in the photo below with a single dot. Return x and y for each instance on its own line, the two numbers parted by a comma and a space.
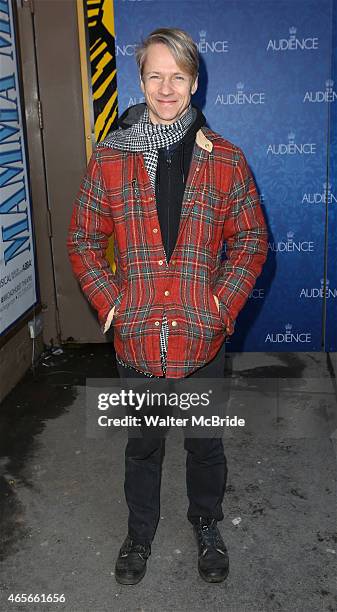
267, 83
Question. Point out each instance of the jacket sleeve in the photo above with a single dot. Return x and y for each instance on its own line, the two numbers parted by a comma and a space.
245, 233
90, 227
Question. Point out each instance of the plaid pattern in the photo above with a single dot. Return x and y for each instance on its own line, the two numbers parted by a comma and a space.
220, 204
147, 138
163, 351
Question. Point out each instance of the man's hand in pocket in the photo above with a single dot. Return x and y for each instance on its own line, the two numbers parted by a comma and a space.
109, 319
216, 301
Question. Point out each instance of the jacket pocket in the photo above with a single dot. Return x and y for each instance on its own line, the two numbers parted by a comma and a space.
201, 314
215, 316
120, 302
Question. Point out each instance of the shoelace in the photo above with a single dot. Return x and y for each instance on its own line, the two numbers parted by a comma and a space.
130, 546
209, 537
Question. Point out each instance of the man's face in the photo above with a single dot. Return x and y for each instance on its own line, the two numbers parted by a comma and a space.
166, 86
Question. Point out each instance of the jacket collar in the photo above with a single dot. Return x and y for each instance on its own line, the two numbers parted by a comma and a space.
203, 142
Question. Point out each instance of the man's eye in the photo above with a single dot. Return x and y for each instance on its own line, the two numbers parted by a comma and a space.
154, 76
180, 78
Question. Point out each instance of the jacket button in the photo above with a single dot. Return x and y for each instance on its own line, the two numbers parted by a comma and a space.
155, 230
173, 261
166, 292
174, 323
156, 323
160, 262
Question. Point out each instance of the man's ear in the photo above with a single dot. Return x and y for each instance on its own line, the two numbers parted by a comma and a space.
141, 84
194, 86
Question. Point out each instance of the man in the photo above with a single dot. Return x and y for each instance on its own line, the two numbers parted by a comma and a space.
171, 191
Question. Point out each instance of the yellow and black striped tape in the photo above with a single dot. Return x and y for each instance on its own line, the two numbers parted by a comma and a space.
99, 75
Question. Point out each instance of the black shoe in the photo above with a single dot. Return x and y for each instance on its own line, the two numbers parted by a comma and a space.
213, 562
131, 563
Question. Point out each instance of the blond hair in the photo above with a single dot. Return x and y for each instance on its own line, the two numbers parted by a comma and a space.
181, 45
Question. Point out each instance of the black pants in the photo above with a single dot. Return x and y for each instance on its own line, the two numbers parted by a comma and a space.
206, 470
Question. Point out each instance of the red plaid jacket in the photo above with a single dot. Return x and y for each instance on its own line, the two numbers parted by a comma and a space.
220, 203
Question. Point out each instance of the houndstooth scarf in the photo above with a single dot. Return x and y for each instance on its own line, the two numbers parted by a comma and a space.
147, 137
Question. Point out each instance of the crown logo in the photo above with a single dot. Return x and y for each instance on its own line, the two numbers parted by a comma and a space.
292, 31
291, 136
202, 34
240, 86
290, 235
329, 83
288, 327
327, 282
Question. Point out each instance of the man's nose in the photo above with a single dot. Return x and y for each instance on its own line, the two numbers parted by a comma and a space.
166, 87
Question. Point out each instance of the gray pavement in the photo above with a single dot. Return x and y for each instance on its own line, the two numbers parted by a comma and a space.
64, 516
